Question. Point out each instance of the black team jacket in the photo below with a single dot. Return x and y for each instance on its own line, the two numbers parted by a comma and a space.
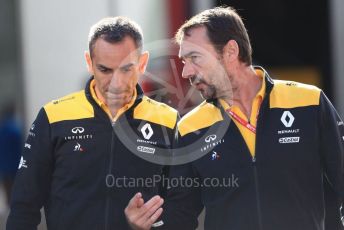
299, 145
83, 169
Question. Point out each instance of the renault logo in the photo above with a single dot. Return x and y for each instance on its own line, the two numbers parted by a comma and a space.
210, 138
78, 130
287, 119
147, 131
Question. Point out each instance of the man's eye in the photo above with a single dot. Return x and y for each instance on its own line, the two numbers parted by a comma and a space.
104, 70
126, 69
194, 58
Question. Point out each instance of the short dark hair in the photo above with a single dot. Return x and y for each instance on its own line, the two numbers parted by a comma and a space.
222, 24
115, 29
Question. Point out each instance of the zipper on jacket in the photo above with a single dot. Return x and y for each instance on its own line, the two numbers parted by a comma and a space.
254, 165
259, 213
107, 204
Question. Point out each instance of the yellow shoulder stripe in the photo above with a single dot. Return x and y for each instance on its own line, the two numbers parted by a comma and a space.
71, 107
289, 94
156, 112
202, 116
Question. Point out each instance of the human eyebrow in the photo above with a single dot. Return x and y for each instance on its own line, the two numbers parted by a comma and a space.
189, 54
103, 68
126, 67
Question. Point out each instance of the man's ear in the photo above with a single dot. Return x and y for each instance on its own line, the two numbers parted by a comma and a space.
231, 51
89, 62
143, 62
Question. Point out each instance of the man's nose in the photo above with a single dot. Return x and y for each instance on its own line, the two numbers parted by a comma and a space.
188, 71
116, 80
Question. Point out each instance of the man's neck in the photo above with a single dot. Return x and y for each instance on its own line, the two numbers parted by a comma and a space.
246, 84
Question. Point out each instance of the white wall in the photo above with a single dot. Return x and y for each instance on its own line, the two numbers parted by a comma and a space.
149, 14
200, 5
54, 37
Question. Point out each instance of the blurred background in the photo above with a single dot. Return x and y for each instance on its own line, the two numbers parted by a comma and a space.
42, 47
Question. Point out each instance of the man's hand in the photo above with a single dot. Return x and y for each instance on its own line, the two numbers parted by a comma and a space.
142, 215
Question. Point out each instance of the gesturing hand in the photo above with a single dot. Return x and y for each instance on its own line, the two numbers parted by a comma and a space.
142, 215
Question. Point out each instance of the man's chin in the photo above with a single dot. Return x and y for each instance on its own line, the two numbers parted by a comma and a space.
117, 101
206, 96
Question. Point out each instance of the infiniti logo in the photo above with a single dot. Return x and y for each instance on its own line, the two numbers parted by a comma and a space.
78, 130
210, 138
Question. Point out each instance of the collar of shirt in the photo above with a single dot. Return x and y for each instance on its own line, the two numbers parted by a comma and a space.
248, 135
106, 108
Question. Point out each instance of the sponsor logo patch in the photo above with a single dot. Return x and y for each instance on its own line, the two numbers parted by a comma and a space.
289, 140
78, 148
147, 131
287, 119
145, 149
210, 138
215, 156
22, 163
78, 130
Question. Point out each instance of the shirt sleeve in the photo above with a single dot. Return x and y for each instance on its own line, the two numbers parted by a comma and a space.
32, 184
